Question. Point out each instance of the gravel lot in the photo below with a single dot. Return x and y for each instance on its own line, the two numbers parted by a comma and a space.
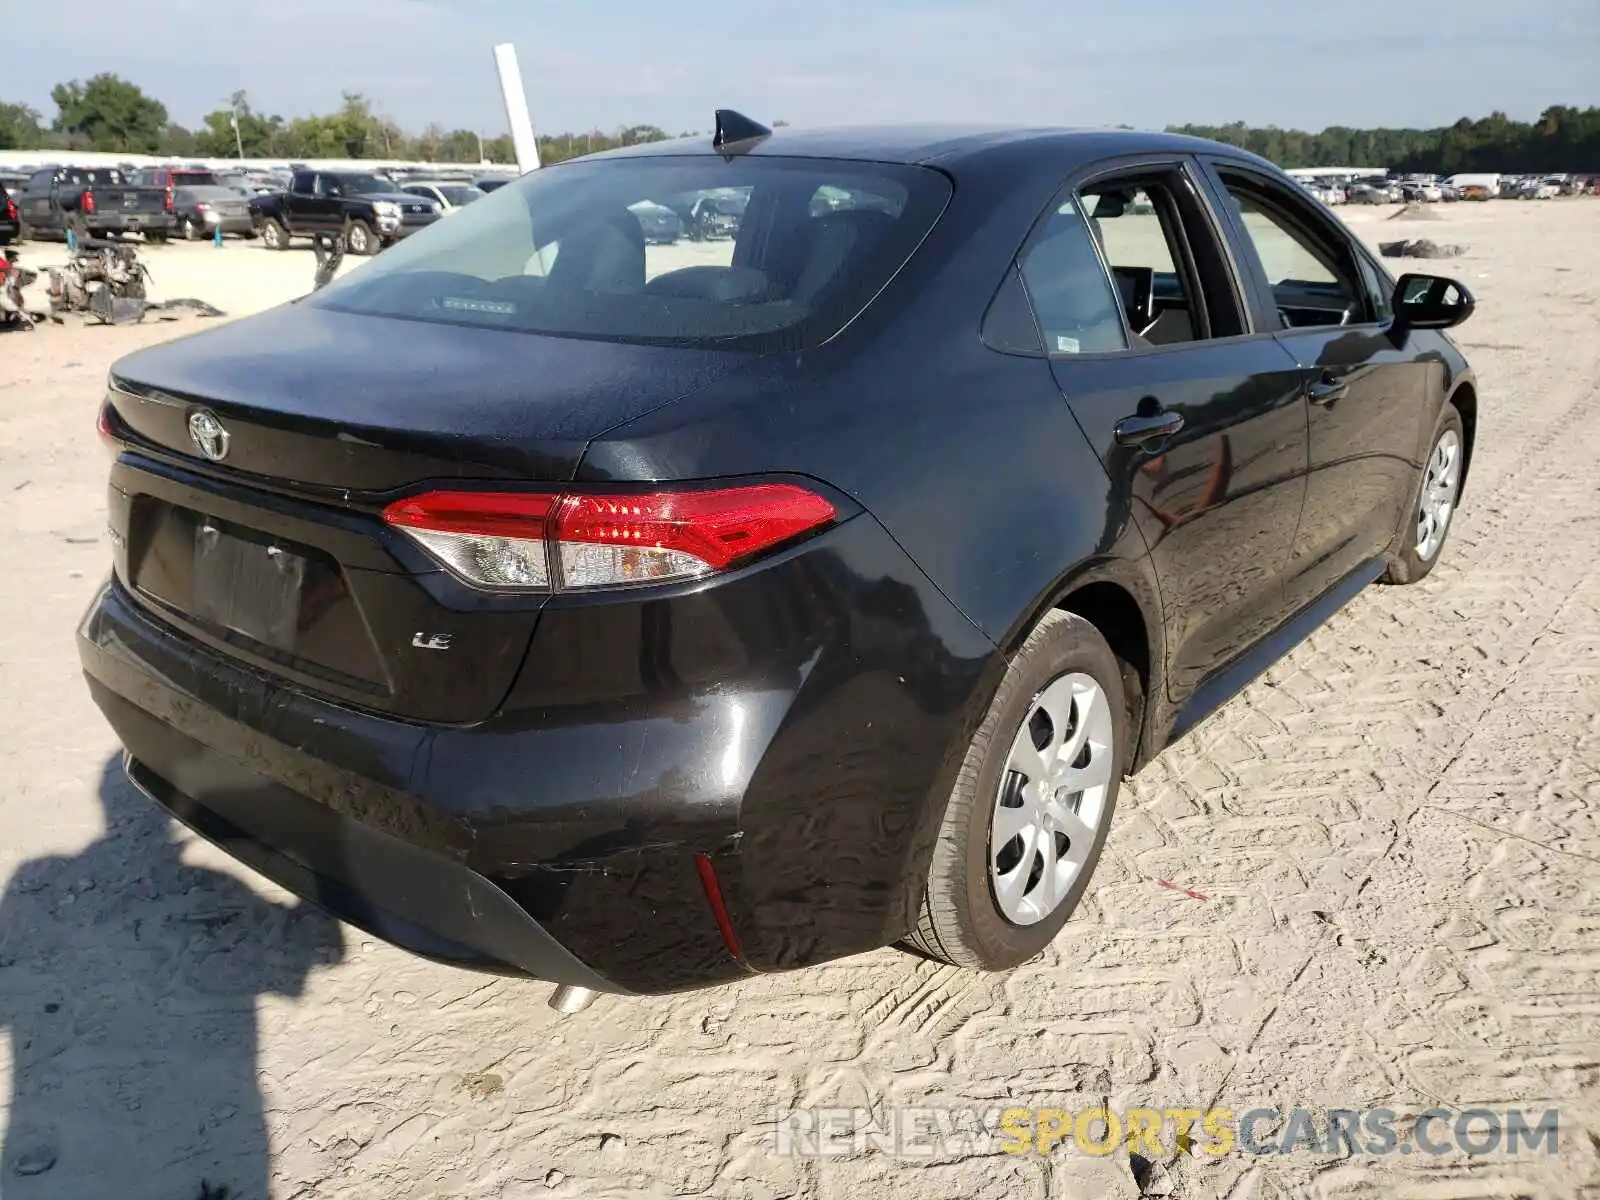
1394, 833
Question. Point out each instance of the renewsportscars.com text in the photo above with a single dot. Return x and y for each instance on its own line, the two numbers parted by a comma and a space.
936, 1132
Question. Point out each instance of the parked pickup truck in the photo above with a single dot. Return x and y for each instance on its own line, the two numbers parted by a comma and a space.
370, 211
97, 201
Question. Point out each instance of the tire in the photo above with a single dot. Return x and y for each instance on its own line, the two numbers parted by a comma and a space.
191, 230
24, 232
360, 239
273, 235
963, 920
1418, 545
156, 239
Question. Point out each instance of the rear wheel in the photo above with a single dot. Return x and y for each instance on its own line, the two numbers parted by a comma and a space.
1426, 523
1032, 804
361, 239
273, 235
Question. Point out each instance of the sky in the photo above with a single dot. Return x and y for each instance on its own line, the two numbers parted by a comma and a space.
605, 63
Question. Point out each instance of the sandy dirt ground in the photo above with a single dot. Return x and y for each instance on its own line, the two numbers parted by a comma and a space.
1394, 833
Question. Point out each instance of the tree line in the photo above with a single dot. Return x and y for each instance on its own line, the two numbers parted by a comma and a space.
109, 113
1563, 139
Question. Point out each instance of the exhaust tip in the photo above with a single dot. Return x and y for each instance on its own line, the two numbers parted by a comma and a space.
568, 1000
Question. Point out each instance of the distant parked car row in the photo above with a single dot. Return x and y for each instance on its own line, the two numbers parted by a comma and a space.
196, 202
1428, 189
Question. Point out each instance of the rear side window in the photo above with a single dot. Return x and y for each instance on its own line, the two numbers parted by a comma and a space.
1072, 295
766, 253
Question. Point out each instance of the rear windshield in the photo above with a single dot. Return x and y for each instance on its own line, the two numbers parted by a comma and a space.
92, 175
768, 253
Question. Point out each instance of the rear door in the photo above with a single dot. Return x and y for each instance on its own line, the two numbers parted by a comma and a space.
1200, 423
300, 202
1367, 389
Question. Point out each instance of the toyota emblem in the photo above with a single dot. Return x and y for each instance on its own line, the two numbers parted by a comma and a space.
208, 435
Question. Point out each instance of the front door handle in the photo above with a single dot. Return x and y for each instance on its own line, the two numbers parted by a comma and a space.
1326, 390
1145, 428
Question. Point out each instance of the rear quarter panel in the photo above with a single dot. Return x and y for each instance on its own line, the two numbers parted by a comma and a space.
969, 458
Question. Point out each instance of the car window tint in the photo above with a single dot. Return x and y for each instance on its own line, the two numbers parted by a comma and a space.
1314, 282
587, 249
1071, 294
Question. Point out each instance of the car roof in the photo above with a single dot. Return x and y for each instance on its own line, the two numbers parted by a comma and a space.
942, 145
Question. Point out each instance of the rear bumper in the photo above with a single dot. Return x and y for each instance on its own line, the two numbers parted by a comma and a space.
116, 222
798, 727
241, 224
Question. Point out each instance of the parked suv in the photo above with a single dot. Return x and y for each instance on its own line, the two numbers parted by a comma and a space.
641, 619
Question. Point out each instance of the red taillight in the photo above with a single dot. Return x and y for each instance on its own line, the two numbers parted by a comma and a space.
88, 202
103, 427
11, 209
538, 541
166, 202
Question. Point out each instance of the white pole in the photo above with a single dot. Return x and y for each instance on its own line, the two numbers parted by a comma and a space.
505, 61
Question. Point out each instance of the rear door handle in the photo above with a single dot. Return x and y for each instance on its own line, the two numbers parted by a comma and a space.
1143, 429
1326, 390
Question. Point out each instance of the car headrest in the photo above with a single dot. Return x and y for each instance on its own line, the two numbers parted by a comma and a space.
607, 256
834, 239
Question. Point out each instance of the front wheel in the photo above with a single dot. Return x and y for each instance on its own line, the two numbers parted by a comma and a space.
361, 239
191, 230
1426, 523
1032, 804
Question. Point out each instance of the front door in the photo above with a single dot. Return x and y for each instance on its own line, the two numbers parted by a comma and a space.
1367, 391
1200, 426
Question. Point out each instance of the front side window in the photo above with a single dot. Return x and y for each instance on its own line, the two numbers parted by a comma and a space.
1313, 282
583, 249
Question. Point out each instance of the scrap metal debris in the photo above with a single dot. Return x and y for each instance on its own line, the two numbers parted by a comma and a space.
329, 249
106, 281
1419, 248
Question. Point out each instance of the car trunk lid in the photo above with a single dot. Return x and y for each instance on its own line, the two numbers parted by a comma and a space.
258, 458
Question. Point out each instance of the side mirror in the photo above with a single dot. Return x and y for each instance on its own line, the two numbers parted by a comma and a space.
1431, 302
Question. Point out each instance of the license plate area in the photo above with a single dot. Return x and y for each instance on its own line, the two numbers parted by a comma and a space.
250, 587
272, 600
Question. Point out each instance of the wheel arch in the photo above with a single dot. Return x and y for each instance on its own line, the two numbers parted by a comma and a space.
1464, 399
1119, 597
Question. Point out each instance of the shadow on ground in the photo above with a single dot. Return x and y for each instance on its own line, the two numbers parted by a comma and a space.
128, 987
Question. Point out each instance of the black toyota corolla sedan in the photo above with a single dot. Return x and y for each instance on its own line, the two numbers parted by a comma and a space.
640, 617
